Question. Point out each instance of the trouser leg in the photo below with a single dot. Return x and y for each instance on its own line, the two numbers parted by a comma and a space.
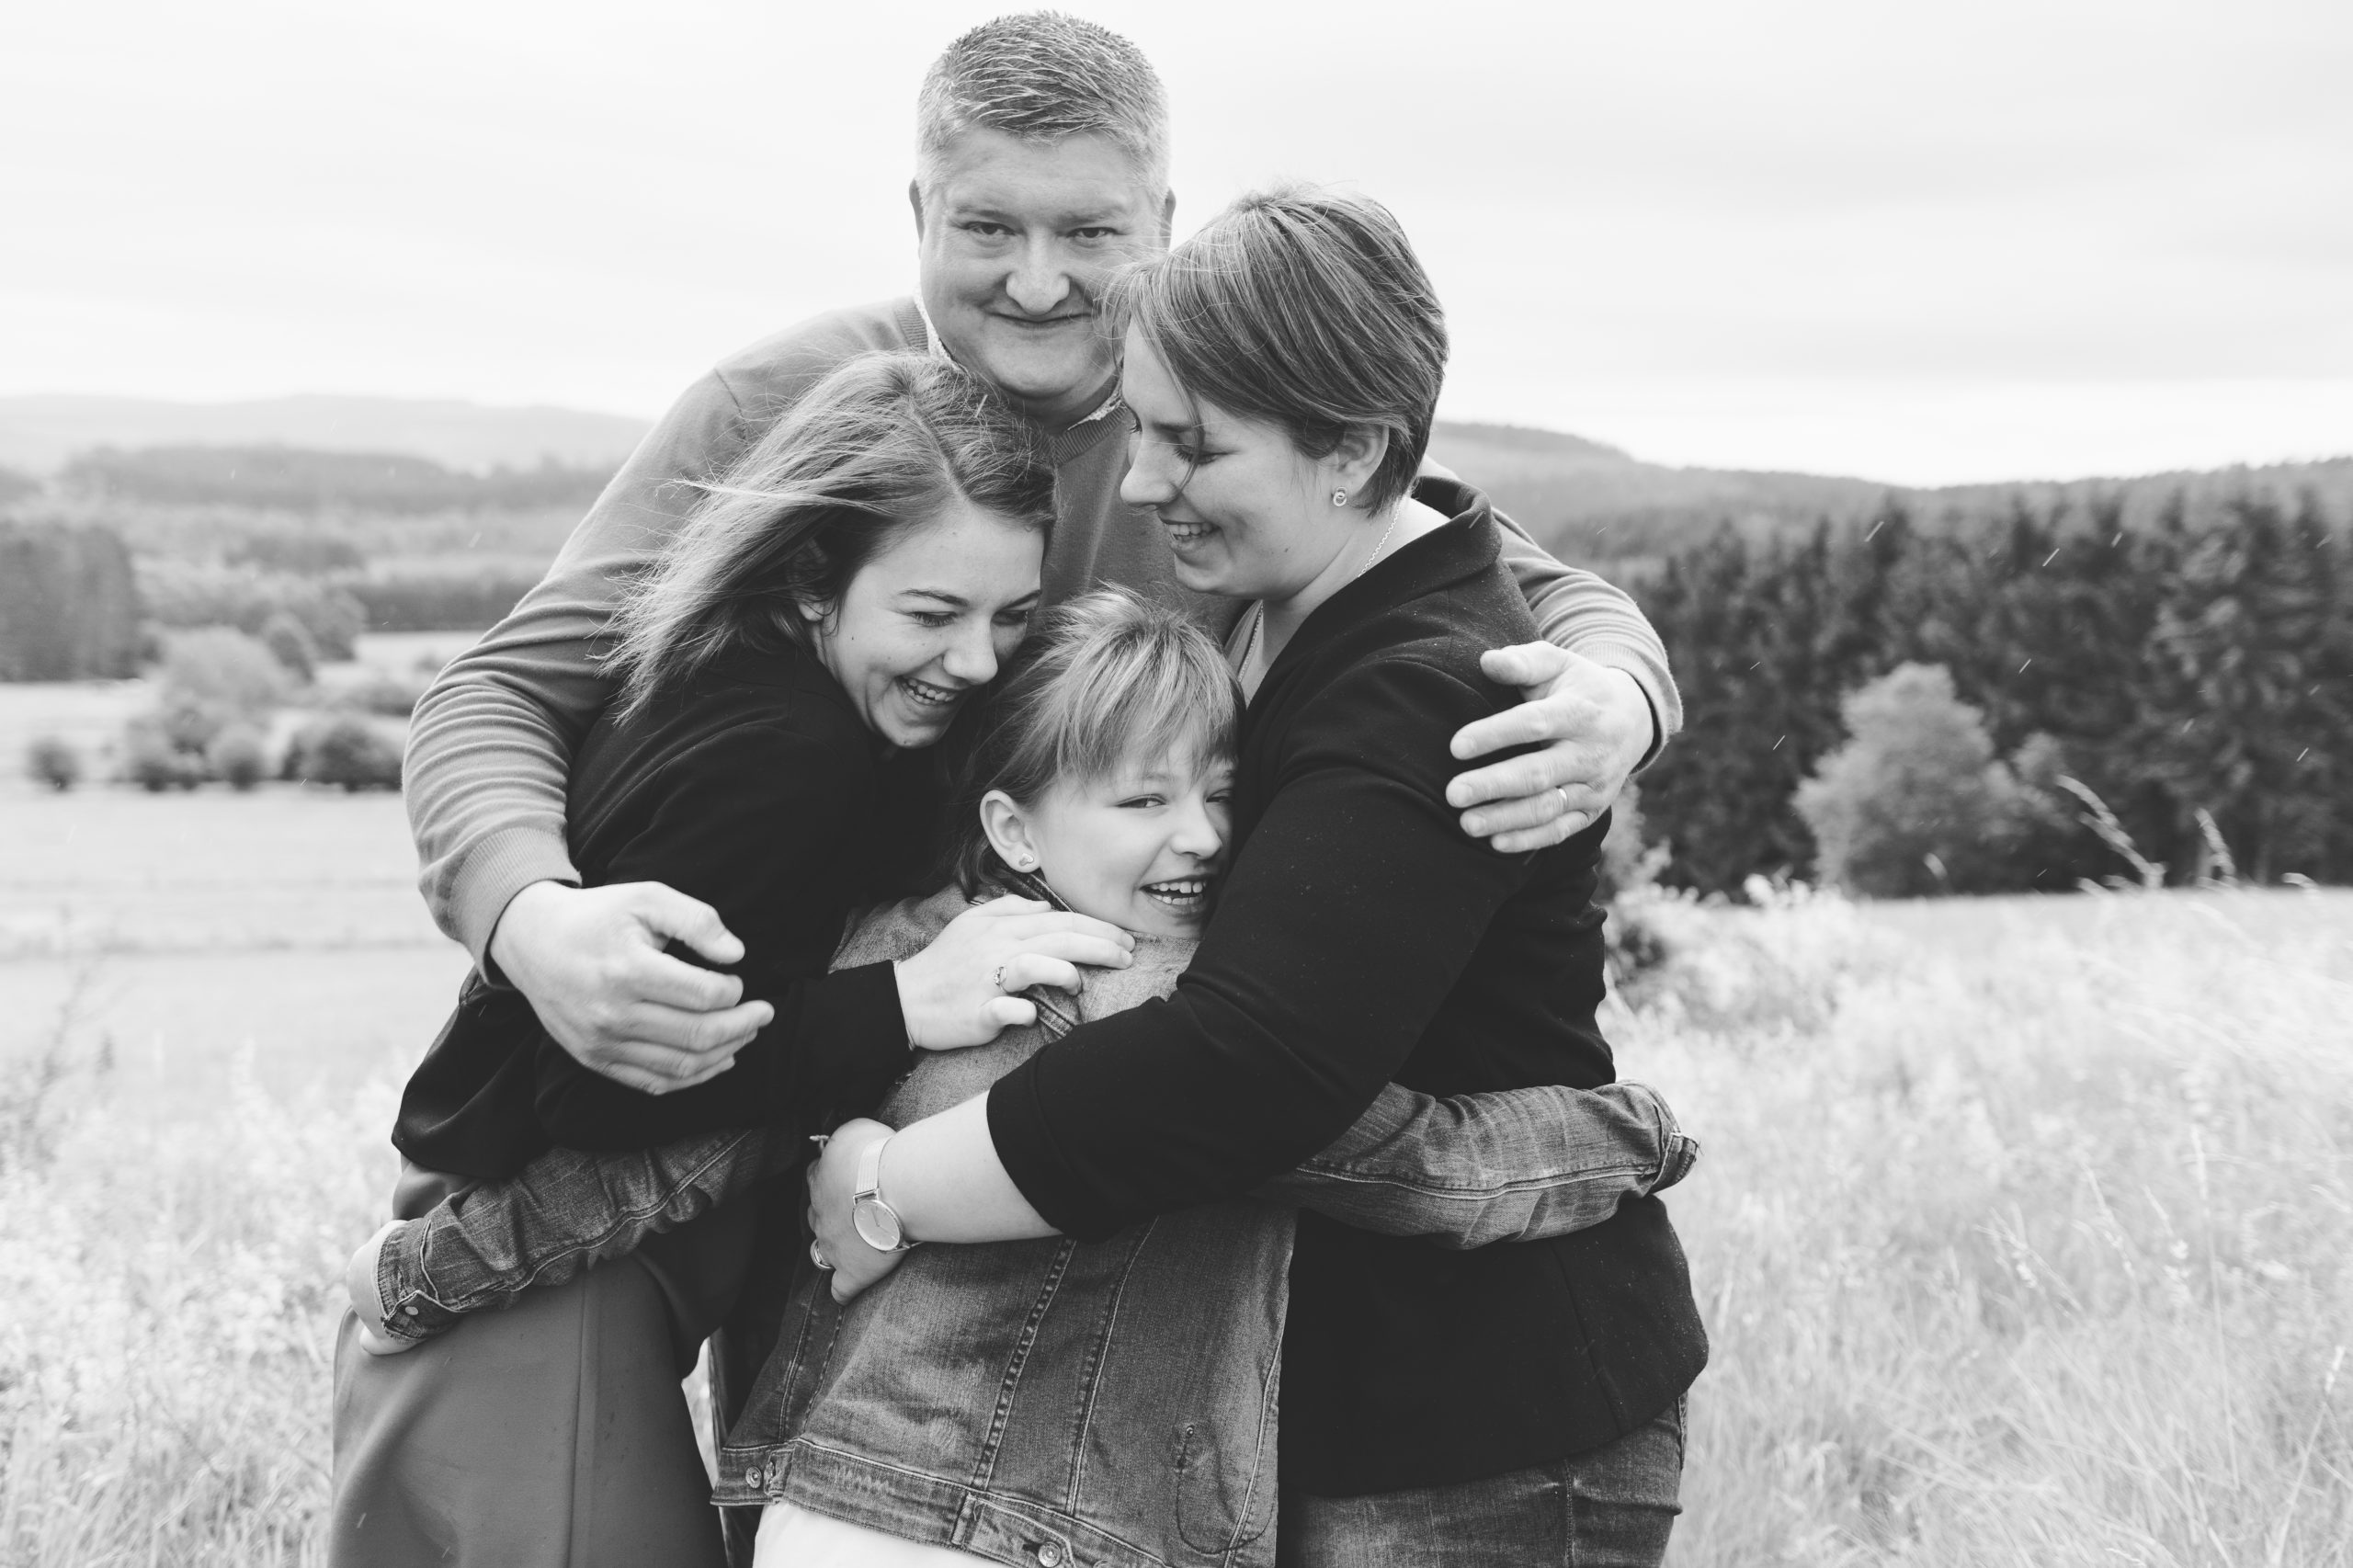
1608, 1507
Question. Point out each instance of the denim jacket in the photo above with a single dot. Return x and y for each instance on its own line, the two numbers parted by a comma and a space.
1047, 1401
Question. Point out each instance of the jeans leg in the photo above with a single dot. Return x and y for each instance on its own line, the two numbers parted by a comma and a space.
1608, 1507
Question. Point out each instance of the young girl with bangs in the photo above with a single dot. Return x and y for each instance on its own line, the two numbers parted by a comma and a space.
937, 1416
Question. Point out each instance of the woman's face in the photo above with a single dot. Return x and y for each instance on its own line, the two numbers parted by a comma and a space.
1140, 848
924, 623
1248, 514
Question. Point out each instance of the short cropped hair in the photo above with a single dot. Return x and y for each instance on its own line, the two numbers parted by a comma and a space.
879, 447
1305, 309
1106, 677
1043, 76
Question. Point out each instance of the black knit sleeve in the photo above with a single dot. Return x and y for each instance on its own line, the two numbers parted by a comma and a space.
755, 814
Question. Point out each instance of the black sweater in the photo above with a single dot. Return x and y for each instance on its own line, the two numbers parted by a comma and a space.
757, 790
1362, 937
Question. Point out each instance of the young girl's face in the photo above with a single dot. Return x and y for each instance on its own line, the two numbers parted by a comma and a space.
1140, 848
924, 625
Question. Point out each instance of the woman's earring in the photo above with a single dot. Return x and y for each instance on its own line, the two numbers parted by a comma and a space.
1339, 498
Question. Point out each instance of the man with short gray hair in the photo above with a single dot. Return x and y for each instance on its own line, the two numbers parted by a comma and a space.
1041, 166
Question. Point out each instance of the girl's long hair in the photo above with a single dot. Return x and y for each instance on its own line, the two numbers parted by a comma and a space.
883, 444
1104, 679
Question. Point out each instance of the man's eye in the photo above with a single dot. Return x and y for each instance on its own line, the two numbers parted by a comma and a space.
1094, 234
1141, 801
984, 231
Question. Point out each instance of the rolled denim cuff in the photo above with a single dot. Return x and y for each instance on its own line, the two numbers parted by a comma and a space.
411, 1312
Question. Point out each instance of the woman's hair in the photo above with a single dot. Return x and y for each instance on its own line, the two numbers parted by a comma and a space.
1306, 309
884, 444
1105, 679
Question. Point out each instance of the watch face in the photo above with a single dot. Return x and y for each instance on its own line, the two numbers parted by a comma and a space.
876, 1223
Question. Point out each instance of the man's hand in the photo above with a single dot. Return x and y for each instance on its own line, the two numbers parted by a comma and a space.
1599, 727
832, 1177
590, 961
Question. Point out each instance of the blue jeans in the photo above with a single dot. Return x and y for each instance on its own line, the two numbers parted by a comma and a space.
1608, 1507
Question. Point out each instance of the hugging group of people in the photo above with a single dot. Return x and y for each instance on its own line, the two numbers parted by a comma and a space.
977, 922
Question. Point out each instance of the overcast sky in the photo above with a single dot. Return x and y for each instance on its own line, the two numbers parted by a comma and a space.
1992, 240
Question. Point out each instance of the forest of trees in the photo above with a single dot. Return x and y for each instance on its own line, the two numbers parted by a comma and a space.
2171, 668
68, 607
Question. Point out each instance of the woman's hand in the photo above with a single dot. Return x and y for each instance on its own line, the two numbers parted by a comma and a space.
832, 1177
1594, 725
965, 987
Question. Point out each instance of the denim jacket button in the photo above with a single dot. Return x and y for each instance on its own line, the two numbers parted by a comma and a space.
752, 1476
1050, 1554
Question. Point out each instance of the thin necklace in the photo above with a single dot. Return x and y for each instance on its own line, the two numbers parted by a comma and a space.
1258, 620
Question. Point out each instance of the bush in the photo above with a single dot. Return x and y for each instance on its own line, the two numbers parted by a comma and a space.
152, 761
238, 756
290, 644
51, 761
1914, 803
225, 668
347, 751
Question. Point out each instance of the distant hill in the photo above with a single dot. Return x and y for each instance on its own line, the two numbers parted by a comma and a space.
40, 433
1585, 500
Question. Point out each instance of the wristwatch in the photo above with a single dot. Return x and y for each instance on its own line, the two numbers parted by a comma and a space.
878, 1224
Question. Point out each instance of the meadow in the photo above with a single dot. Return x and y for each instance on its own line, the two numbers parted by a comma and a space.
2021, 1226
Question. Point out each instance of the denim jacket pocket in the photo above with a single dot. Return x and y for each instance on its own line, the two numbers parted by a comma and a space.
1225, 1500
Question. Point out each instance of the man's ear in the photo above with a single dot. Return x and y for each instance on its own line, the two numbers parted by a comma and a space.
915, 199
1357, 457
1008, 831
1167, 219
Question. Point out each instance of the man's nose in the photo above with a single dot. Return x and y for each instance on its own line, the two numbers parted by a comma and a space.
1039, 282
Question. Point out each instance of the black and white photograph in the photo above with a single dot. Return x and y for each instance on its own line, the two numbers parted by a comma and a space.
1232, 786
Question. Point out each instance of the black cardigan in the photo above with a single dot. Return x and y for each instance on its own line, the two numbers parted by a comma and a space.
1362, 937
757, 790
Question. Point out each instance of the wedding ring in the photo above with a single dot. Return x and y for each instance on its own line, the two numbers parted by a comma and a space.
1563, 790
997, 979
817, 1256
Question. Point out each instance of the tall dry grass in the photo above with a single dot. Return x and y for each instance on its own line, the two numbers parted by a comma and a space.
2021, 1249
168, 1304
2032, 1251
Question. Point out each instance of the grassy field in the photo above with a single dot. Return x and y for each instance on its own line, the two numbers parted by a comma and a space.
2021, 1231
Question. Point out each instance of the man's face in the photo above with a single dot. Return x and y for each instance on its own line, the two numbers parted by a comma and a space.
1016, 238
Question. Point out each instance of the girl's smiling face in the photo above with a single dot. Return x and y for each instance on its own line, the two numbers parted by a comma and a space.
1141, 847
926, 623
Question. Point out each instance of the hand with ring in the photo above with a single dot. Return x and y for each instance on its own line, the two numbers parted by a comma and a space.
966, 986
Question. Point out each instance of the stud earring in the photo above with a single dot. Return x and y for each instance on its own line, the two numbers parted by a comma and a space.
1339, 498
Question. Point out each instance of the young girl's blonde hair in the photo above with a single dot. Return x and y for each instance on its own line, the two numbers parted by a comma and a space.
882, 445
1106, 678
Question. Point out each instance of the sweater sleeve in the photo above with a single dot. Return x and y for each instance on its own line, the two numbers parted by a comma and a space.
746, 815
1352, 908
1579, 611
492, 739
